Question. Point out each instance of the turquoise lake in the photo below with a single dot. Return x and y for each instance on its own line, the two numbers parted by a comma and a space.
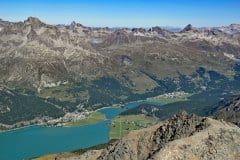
37, 140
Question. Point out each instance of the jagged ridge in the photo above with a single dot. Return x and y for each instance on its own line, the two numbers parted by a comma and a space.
181, 137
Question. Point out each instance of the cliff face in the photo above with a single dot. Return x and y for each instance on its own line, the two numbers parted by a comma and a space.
181, 137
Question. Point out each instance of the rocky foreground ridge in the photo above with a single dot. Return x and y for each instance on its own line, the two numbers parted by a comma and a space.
183, 137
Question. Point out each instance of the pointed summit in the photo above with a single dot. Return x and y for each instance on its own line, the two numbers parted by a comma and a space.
35, 22
73, 25
189, 27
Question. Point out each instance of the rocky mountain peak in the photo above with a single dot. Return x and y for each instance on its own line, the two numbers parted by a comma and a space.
33, 21
189, 27
4, 23
179, 126
234, 25
142, 30
157, 29
73, 25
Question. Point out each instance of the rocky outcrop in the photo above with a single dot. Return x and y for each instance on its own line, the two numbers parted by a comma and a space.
34, 22
157, 29
180, 126
184, 136
189, 27
142, 30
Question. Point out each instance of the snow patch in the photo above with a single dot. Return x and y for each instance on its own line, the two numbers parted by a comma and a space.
231, 56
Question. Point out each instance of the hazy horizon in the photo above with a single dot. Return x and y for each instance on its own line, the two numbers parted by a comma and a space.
133, 13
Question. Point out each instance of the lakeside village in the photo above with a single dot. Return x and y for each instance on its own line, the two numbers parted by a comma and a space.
80, 114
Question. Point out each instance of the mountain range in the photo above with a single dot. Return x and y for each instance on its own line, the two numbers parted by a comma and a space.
48, 70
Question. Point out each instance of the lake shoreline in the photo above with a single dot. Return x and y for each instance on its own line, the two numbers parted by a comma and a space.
60, 124
57, 139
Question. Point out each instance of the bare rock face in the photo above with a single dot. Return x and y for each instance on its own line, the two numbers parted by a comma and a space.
33, 21
181, 125
157, 29
73, 25
142, 30
185, 137
219, 141
189, 27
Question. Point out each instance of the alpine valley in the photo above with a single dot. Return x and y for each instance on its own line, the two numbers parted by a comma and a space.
50, 74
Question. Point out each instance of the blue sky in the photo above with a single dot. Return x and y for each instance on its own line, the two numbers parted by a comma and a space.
125, 13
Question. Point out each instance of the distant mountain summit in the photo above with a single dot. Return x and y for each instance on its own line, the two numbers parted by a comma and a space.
232, 29
33, 21
4, 23
189, 27
73, 25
